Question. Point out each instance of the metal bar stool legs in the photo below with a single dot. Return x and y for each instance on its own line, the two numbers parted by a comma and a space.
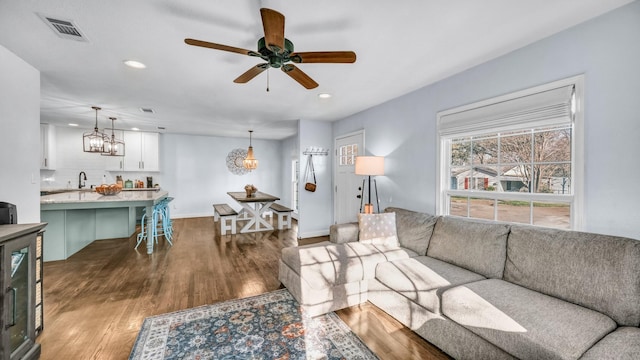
144, 229
158, 224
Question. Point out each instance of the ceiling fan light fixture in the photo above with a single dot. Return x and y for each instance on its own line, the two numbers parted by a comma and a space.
278, 52
250, 161
93, 141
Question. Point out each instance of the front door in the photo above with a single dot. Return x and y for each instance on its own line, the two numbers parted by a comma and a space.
348, 184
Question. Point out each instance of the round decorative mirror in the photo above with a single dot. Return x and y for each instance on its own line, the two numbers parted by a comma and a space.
234, 161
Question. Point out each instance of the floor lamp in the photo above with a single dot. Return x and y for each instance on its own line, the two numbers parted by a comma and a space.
370, 166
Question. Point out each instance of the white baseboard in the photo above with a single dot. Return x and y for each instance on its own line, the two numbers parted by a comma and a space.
185, 216
311, 234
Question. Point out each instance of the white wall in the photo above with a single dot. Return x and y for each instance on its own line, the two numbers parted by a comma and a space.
604, 49
195, 173
316, 208
289, 154
19, 136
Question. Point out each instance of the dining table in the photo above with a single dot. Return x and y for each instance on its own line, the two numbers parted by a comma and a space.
253, 208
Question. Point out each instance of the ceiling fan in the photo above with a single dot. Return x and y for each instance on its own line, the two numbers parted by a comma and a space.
278, 52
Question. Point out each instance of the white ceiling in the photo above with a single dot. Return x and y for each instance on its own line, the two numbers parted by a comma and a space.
400, 45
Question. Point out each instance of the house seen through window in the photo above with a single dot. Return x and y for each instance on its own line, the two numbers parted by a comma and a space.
515, 159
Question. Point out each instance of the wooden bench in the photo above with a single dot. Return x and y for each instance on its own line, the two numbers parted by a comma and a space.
284, 215
224, 212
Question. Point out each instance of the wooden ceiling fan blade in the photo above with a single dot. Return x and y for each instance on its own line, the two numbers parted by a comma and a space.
299, 76
211, 45
324, 57
273, 24
251, 73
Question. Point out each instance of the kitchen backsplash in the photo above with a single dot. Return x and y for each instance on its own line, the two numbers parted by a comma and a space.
59, 179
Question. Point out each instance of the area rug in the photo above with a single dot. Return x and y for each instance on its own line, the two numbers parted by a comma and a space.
268, 326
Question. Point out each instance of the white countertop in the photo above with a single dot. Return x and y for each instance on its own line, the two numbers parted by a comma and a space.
92, 196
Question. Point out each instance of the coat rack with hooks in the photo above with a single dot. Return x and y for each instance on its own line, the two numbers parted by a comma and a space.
316, 151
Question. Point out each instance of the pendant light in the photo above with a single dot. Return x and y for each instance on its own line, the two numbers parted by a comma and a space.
113, 146
250, 162
93, 142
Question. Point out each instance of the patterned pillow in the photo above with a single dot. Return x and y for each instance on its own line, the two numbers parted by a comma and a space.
378, 229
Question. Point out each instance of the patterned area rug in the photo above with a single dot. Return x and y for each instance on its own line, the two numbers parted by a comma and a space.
268, 326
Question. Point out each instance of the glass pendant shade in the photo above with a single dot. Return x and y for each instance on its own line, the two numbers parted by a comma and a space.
94, 141
113, 146
250, 162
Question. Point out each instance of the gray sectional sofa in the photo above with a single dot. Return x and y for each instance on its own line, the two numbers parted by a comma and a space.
482, 290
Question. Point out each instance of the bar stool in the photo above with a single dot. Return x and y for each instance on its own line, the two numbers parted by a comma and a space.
159, 224
163, 220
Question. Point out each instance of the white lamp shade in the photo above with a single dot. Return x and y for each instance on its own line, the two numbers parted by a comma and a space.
369, 165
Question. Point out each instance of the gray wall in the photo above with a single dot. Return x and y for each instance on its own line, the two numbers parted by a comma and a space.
605, 49
19, 136
194, 171
316, 208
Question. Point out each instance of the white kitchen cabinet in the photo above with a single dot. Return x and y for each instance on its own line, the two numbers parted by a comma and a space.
47, 147
141, 153
150, 152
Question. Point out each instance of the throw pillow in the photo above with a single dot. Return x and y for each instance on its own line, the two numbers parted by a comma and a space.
378, 229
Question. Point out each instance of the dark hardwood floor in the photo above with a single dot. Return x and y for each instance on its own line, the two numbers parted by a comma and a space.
96, 300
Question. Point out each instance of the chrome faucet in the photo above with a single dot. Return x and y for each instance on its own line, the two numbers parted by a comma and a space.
80, 178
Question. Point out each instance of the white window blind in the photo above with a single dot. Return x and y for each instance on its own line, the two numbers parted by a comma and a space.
541, 109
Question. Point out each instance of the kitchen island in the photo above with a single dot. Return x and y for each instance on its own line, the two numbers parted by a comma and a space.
77, 218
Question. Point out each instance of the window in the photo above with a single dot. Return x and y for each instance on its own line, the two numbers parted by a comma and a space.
347, 155
516, 158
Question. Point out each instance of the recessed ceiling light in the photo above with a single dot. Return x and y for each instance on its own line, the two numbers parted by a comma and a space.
70, 124
135, 129
135, 64
324, 96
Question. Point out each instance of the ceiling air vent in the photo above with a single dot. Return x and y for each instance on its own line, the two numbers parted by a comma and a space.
64, 28
147, 110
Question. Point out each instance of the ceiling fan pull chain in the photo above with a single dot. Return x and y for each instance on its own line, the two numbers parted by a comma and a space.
267, 79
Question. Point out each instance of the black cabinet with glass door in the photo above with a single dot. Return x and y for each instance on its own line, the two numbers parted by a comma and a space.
21, 290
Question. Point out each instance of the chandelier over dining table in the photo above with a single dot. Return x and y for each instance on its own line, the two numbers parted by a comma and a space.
250, 161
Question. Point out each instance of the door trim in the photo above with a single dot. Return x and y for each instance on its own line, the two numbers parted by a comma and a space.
335, 164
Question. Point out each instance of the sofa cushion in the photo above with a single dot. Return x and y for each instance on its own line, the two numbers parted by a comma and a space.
600, 272
392, 253
343, 233
414, 228
622, 344
421, 279
479, 246
378, 229
327, 266
525, 323
314, 264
